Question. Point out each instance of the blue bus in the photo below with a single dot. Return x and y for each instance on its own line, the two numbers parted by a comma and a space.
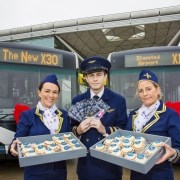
126, 65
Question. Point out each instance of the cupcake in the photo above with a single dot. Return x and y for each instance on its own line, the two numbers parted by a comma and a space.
69, 139
35, 145
130, 137
63, 144
25, 144
26, 148
126, 142
30, 153
151, 150
138, 146
140, 138
77, 146
117, 152
130, 156
127, 149
59, 140
156, 143
66, 148
54, 147
48, 150
73, 141
48, 141
100, 147
117, 142
40, 149
141, 158
67, 135
55, 137
112, 147
108, 141
119, 136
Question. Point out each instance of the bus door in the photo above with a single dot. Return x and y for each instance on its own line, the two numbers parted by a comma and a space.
163, 61
22, 67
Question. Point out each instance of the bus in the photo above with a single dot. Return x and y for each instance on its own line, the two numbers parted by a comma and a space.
22, 67
126, 65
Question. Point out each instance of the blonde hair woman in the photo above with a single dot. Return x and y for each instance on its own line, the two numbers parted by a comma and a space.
153, 117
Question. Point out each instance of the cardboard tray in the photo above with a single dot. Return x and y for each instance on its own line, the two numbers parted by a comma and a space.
46, 158
130, 164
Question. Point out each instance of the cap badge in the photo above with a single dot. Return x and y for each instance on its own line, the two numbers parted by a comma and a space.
147, 76
91, 62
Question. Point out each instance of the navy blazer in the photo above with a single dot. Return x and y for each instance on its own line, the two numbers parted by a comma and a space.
165, 122
30, 124
115, 118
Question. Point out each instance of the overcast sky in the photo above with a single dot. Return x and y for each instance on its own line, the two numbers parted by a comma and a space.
20, 13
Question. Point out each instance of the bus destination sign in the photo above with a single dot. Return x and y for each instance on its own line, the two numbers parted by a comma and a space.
30, 57
152, 59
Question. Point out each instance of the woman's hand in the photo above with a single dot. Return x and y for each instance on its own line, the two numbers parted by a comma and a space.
13, 148
84, 126
169, 152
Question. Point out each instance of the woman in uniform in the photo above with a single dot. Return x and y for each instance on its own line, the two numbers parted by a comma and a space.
153, 117
45, 118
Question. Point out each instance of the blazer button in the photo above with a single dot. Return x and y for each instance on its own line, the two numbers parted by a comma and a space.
87, 139
99, 138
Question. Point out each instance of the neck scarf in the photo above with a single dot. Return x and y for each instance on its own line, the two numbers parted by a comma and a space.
144, 115
49, 117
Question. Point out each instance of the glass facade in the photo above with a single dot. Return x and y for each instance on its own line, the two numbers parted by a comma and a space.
45, 42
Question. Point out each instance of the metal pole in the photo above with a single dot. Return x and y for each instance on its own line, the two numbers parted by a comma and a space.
69, 47
175, 38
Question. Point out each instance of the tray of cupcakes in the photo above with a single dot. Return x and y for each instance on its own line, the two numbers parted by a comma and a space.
42, 149
135, 151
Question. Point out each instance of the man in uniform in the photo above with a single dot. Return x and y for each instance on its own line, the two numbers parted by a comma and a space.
91, 130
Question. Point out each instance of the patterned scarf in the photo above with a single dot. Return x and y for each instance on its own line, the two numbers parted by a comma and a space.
50, 119
144, 115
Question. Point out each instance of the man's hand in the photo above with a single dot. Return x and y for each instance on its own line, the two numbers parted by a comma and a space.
96, 123
84, 126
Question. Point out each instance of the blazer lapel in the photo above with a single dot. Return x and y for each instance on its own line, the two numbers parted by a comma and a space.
39, 113
153, 120
59, 115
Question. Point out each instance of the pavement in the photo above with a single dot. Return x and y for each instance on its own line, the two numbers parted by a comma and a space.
10, 170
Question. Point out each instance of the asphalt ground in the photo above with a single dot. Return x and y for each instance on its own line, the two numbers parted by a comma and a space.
10, 170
